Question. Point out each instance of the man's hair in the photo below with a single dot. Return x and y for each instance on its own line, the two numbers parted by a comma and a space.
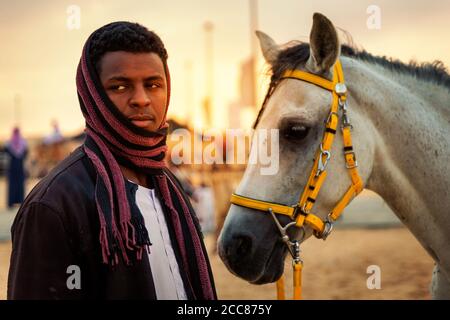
124, 36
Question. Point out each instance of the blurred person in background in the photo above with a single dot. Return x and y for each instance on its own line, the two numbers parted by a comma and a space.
54, 143
17, 150
56, 135
113, 210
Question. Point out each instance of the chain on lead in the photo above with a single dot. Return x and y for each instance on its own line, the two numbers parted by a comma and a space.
296, 252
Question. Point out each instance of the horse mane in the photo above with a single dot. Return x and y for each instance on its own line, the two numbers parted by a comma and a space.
296, 54
434, 72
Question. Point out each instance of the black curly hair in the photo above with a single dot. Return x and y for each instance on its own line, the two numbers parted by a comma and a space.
124, 36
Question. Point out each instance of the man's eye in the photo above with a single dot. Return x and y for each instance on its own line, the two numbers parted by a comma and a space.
153, 85
118, 87
295, 132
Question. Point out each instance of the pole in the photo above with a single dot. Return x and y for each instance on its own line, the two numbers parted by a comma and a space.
254, 49
208, 27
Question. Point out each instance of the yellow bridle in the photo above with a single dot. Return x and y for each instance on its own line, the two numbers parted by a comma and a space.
300, 213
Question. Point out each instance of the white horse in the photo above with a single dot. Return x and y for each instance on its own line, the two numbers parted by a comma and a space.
401, 135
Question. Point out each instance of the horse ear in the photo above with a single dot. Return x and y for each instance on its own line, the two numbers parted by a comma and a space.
324, 45
269, 48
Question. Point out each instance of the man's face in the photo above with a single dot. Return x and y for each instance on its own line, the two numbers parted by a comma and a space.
136, 83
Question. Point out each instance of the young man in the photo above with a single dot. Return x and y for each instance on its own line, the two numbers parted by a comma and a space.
111, 221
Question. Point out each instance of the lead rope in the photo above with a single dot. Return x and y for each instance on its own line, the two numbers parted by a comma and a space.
297, 267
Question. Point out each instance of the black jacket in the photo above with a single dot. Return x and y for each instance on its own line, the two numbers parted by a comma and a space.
57, 227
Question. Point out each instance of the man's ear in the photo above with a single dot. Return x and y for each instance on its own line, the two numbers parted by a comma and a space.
269, 48
324, 45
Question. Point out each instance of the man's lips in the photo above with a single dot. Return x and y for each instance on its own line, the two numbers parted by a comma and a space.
142, 121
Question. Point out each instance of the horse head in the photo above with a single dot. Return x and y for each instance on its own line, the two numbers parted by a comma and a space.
250, 244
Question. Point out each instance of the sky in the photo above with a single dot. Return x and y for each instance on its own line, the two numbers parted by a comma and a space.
39, 53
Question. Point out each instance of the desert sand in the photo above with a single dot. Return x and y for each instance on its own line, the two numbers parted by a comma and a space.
333, 269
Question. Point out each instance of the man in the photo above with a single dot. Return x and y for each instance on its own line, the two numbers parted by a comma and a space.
111, 221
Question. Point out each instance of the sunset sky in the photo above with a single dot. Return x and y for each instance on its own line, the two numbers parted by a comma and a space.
39, 54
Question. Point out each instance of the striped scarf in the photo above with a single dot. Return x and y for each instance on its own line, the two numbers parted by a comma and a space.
112, 139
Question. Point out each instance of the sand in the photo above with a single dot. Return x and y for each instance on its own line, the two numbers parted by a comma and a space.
337, 268
334, 269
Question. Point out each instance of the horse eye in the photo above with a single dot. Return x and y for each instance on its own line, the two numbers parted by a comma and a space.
296, 132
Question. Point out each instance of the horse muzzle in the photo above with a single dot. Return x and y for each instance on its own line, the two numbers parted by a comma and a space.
250, 248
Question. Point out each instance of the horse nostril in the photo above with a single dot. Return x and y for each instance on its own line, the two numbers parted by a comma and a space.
241, 245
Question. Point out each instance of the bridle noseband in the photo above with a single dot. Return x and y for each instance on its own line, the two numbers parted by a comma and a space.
300, 213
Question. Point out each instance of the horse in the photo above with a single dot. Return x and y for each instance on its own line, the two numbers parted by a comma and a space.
400, 118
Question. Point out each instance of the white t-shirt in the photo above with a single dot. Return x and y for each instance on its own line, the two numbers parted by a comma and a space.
165, 269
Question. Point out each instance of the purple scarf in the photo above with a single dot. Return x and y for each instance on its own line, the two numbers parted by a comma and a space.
113, 139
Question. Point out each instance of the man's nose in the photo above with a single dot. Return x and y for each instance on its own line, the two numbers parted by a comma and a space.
140, 97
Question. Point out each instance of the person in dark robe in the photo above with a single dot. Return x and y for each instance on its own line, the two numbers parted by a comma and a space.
17, 150
111, 221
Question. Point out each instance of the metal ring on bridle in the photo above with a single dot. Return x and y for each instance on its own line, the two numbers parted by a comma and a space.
328, 227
